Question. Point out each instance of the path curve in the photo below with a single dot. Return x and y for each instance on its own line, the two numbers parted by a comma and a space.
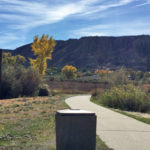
116, 130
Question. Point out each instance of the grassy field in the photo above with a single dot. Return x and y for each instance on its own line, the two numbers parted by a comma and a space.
29, 123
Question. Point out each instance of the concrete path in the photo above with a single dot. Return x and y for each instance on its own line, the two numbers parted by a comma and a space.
117, 131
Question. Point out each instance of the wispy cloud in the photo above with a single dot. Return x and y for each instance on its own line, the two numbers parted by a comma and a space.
27, 14
107, 5
30, 14
117, 29
6, 38
23, 15
147, 2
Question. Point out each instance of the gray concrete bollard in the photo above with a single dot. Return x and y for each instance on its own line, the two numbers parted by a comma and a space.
75, 130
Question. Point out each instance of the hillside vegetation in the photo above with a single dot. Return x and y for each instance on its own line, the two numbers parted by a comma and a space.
94, 52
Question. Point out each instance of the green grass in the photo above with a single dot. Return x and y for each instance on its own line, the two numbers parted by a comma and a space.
100, 145
142, 119
29, 123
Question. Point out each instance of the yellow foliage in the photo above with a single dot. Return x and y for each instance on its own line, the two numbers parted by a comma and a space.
20, 59
69, 71
43, 49
13, 60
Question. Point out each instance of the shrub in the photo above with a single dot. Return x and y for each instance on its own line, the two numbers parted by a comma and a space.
44, 90
119, 77
8, 59
53, 93
30, 83
8, 82
88, 73
5, 89
103, 72
69, 71
126, 97
18, 81
114, 78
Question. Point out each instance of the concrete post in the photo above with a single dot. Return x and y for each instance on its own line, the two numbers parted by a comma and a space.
75, 130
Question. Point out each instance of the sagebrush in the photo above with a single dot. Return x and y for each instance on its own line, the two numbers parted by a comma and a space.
125, 97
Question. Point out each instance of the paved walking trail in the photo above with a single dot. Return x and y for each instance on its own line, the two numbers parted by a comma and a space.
117, 131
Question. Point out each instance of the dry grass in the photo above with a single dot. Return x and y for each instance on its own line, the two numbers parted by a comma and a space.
77, 87
29, 123
146, 87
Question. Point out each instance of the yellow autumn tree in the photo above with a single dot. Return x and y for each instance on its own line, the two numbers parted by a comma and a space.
42, 48
69, 71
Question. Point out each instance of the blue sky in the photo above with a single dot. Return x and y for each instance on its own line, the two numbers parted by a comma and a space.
21, 20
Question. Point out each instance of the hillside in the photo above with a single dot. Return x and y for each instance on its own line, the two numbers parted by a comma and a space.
95, 52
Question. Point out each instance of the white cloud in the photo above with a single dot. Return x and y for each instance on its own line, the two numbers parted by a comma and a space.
143, 4
6, 38
91, 33
106, 5
30, 14
117, 29
24, 15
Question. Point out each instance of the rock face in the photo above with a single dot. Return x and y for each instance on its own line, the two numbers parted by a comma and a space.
95, 52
